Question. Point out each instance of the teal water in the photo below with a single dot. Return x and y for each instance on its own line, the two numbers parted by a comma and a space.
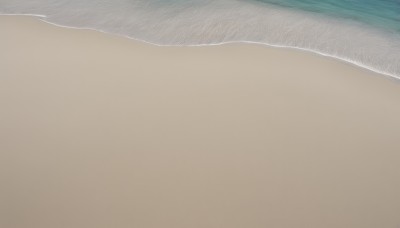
379, 13
363, 32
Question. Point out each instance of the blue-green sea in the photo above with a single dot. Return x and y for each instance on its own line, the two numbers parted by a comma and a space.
362, 32
379, 13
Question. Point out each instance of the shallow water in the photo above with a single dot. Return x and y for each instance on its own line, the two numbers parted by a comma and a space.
379, 13
364, 32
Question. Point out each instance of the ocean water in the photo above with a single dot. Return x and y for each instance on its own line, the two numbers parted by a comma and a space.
383, 14
363, 32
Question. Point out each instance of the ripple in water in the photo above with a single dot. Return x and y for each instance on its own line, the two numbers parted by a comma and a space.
363, 32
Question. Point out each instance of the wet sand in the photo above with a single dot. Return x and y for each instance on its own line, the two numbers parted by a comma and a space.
102, 131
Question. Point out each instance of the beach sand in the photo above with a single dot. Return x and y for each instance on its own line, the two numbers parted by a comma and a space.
103, 131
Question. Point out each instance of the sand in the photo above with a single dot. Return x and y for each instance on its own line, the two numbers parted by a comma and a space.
102, 131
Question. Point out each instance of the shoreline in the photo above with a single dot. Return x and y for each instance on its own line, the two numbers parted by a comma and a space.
311, 51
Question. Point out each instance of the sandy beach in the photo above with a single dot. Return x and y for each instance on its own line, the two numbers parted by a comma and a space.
99, 131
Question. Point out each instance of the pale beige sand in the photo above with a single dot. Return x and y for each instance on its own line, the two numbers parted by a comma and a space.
103, 131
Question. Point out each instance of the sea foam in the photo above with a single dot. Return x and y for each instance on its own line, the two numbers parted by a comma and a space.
206, 22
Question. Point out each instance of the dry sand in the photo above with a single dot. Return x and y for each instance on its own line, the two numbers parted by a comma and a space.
102, 131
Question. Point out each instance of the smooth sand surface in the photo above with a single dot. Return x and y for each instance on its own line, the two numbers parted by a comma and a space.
102, 131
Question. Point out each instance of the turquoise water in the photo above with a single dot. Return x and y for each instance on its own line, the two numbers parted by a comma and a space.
363, 32
380, 13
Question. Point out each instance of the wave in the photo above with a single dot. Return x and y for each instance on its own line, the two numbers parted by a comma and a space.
195, 22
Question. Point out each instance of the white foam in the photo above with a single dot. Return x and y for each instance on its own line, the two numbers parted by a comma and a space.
221, 22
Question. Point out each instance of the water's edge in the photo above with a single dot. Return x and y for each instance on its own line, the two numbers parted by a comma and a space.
341, 59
